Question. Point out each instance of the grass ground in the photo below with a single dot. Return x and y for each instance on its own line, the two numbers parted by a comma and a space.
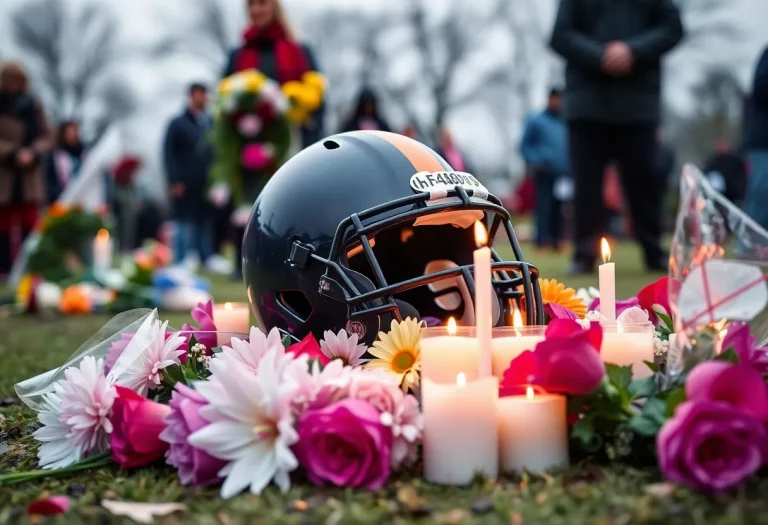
585, 494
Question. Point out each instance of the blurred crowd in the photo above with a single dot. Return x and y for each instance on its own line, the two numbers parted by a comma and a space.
595, 160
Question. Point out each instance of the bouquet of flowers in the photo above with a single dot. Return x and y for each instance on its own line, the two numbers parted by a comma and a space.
252, 123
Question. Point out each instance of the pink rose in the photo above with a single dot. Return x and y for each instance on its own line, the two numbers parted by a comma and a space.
657, 294
254, 157
310, 347
710, 446
345, 444
621, 305
740, 386
203, 314
249, 125
137, 423
743, 343
196, 467
555, 311
567, 361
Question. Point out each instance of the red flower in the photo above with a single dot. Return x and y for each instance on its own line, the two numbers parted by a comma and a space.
567, 361
657, 293
50, 506
310, 347
137, 423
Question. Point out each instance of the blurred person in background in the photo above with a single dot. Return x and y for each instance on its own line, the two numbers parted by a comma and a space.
188, 156
544, 147
270, 46
126, 201
613, 50
447, 148
65, 161
756, 145
727, 171
366, 114
25, 140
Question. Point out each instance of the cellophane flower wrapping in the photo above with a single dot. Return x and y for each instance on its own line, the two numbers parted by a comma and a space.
137, 322
719, 256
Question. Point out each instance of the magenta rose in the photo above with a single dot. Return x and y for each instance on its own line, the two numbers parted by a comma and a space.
136, 426
740, 386
345, 444
196, 467
657, 293
709, 446
739, 338
310, 347
621, 305
205, 334
254, 157
555, 311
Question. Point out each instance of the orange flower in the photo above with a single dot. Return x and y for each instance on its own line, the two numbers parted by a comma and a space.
57, 210
556, 293
74, 300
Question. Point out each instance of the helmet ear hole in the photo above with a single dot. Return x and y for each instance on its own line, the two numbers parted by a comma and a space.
331, 144
296, 303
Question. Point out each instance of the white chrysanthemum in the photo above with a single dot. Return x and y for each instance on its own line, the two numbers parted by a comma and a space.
343, 347
592, 315
76, 418
251, 420
250, 353
143, 373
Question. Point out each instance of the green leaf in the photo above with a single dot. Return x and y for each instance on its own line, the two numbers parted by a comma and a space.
656, 409
173, 374
644, 425
653, 366
674, 398
667, 320
584, 430
645, 387
729, 355
621, 376
286, 341
192, 341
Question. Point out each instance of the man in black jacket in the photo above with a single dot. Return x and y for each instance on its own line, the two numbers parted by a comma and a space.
188, 156
613, 50
756, 145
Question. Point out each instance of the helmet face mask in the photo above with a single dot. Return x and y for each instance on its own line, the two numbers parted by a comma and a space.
355, 232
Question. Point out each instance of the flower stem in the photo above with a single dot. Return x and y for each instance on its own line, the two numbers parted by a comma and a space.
96, 461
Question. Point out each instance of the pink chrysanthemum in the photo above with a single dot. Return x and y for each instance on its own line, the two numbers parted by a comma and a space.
250, 353
76, 420
343, 347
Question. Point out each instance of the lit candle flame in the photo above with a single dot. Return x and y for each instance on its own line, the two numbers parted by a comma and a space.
451, 326
228, 306
529, 393
606, 249
461, 379
102, 235
517, 321
481, 234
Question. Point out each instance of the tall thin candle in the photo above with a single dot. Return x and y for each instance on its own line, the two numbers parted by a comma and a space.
607, 275
483, 294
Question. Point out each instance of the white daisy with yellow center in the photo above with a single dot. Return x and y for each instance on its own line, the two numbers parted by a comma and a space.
399, 352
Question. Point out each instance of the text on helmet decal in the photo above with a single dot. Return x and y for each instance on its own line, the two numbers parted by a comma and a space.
443, 181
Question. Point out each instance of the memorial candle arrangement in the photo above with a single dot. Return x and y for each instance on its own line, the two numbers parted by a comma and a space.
447, 351
510, 342
231, 319
607, 276
102, 251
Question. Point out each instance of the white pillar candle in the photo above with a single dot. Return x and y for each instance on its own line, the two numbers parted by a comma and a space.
607, 279
460, 430
449, 351
231, 319
510, 342
483, 298
629, 344
533, 432
102, 251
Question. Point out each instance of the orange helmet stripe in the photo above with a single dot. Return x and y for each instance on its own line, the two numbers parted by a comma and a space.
417, 154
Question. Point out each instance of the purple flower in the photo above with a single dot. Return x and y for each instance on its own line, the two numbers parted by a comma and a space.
739, 386
345, 444
743, 343
620, 305
710, 446
429, 322
196, 467
205, 334
555, 311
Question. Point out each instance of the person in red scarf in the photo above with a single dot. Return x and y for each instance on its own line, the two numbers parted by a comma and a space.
270, 46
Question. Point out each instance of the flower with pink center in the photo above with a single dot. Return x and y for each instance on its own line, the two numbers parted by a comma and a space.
250, 353
343, 347
76, 419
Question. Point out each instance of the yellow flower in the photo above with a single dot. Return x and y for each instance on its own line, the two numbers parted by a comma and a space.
254, 81
314, 80
297, 115
305, 97
556, 293
24, 289
225, 86
399, 352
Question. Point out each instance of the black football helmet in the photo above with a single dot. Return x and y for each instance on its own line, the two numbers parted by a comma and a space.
366, 227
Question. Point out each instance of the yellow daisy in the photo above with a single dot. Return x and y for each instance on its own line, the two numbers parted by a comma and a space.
556, 293
399, 352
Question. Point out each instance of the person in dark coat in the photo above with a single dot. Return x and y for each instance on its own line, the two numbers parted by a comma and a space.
188, 158
66, 160
613, 50
270, 46
727, 171
756, 145
25, 141
366, 114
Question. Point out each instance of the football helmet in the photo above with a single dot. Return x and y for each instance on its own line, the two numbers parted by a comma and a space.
366, 227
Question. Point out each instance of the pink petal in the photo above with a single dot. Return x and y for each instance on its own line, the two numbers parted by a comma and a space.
50, 506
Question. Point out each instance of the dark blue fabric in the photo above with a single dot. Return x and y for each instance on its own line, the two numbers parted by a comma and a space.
544, 145
188, 156
548, 212
757, 132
